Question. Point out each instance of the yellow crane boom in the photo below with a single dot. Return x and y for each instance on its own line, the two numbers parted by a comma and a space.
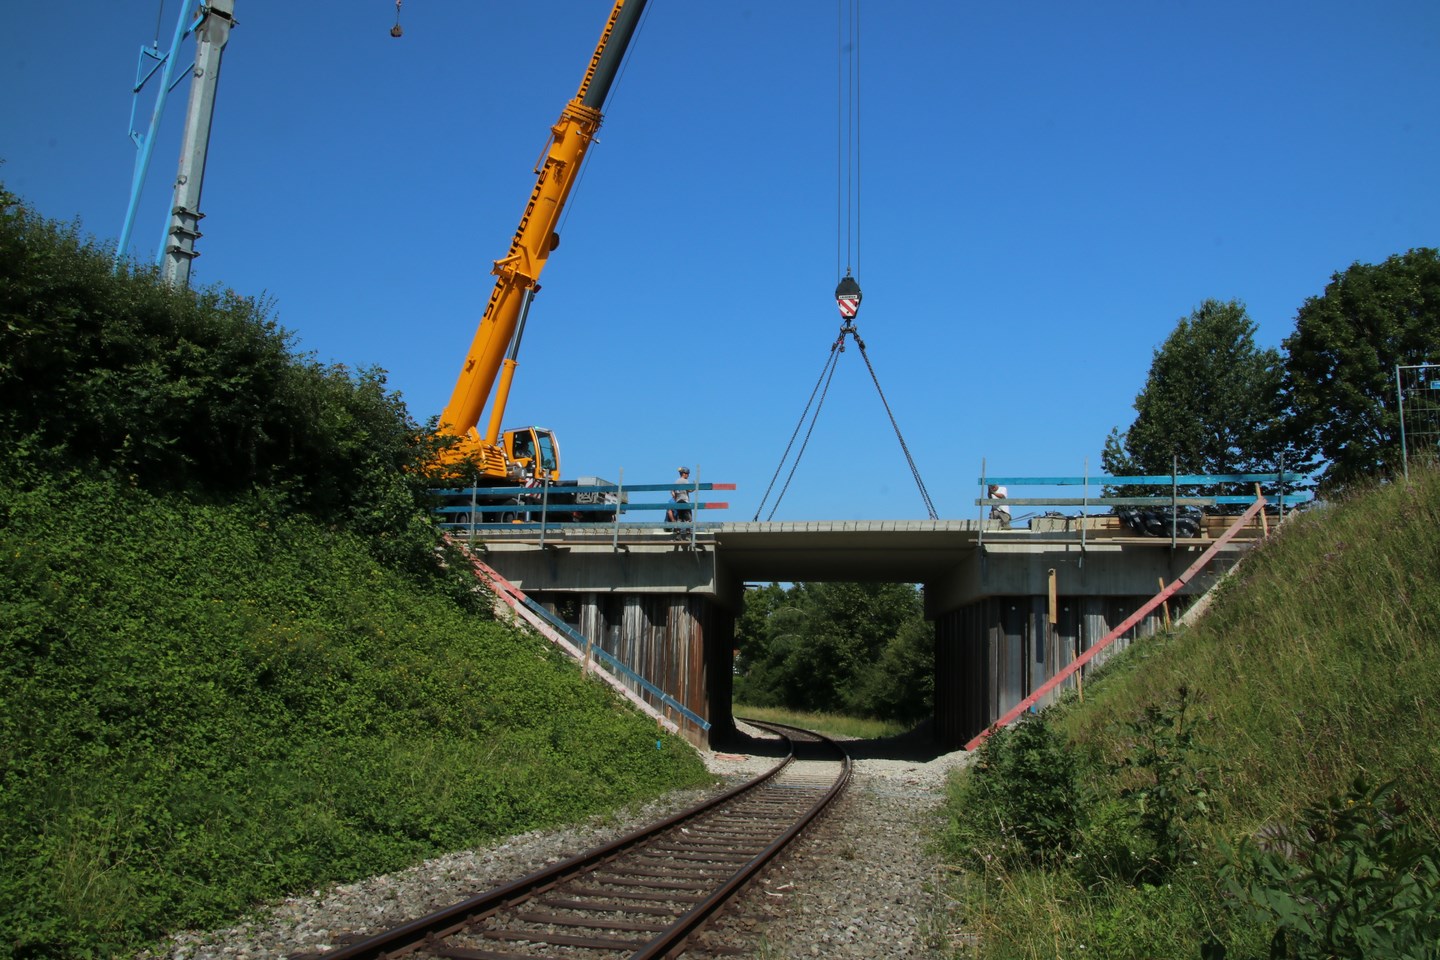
495, 346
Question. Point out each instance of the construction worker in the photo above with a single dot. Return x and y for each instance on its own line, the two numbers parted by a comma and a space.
1000, 511
679, 513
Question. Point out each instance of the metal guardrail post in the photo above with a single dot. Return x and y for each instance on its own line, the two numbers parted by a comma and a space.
1280, 478
1174, 499
984, 490
1400, 403
694, 505
473, 484
619, 504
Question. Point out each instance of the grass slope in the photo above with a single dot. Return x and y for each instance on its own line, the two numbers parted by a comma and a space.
204, 707
1205, 793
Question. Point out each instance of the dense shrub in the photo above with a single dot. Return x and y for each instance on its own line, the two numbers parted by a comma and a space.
197, 393
863, 649
1020, 804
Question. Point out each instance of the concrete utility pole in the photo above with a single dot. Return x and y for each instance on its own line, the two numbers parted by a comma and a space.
177, 248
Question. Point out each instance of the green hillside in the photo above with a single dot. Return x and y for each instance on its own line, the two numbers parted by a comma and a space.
1263, 784
235, 661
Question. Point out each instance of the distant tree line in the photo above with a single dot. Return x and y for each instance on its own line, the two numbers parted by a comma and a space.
1215, 403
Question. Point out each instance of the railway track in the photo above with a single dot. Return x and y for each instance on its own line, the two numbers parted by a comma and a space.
645, 895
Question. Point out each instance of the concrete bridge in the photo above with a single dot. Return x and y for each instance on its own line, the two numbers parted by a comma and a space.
1010, 607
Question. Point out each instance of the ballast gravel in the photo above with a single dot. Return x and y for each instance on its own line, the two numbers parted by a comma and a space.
860, 883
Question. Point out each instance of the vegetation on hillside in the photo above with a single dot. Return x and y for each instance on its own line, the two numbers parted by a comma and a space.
235, 661
1263, 784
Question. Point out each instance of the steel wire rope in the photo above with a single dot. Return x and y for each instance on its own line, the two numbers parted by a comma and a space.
842, 250
159, 16
847, 138
829, 362
914, 472
834, 365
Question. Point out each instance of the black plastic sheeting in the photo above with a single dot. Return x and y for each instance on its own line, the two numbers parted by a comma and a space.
1161, 521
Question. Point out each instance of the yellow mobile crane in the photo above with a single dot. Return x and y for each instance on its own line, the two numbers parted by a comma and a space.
529, 452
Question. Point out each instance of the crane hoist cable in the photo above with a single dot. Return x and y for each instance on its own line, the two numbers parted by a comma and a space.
847, 135
159, 16
914, 471
847, 292
822, 387
396, 31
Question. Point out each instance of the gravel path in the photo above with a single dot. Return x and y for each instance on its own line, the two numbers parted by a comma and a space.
858, 884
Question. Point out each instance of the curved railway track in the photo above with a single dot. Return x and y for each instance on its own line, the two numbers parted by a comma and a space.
645, 895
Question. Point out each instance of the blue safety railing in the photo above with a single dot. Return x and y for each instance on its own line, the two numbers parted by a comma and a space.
481, 509
614, 664
1174, 500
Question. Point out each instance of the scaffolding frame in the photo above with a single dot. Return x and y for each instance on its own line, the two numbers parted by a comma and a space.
1417, 396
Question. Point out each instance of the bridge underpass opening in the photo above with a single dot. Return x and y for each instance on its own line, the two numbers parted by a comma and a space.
670, 610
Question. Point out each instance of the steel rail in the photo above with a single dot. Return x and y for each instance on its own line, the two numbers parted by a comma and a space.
425, 933
693, 920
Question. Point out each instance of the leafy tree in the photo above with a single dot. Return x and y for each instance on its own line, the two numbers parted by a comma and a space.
1209, 402
1340, 374
901, 686
837, 647
752, 634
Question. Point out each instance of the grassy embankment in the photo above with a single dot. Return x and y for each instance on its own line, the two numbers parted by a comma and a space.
1264, 784
207, 707
232, 663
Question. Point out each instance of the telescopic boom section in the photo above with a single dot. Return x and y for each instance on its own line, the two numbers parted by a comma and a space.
519, 271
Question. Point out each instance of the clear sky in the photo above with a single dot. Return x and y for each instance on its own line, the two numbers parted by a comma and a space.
1045, 188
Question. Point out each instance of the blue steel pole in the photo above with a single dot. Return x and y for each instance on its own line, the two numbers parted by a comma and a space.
147, 143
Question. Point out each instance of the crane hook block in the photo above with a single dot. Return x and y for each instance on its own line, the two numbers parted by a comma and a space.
847, 295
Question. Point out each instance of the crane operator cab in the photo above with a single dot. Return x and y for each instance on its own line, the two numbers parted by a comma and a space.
534, 451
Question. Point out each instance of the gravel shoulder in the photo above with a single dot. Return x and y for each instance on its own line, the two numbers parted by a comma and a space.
860, 883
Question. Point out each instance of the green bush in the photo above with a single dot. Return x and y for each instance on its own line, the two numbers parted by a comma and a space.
1019, 802
203, 707
1353, 877
199, 393
1164, 782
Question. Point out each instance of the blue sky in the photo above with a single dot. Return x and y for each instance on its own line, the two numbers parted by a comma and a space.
1045, 189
